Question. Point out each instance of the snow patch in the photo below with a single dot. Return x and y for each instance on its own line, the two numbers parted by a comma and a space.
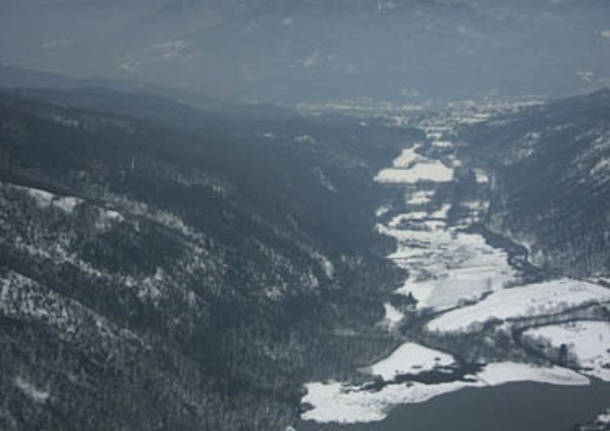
588, 341
434, 171
410, 358
37, 395
382, 210
107, 218
46, 199
324, 180
420, 197
442, 144
602, 167
43, 199
410, 167
268, 135
392, 317
406, 158
585, 75
305, 139
603, 418
481, 176
442, 213
500, 373
67, 204
326, 264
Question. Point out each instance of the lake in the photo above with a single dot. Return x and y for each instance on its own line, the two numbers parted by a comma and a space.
520, 406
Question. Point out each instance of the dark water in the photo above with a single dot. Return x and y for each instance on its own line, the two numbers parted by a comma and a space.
511, 407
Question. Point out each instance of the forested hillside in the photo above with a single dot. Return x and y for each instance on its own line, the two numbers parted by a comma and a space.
551, 174
164, 267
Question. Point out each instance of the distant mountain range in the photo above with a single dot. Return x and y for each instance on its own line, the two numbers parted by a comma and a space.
318, 50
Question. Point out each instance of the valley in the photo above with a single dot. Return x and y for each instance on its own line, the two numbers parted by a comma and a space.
304, 215
473, 312
399, 267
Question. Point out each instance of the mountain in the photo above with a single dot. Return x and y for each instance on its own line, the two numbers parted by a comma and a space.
27, 80
167, 266
275, 50
173, 268
551, 180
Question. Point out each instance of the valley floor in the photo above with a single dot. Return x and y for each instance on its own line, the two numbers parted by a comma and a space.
472, 313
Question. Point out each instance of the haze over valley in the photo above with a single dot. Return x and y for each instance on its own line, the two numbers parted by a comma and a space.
305, 215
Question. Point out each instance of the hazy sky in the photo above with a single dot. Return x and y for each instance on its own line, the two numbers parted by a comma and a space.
319, 49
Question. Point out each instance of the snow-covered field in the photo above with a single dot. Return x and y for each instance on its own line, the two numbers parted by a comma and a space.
532, 300
588, 341
411, 167
499, 373
446, 266
410, 358
434, 171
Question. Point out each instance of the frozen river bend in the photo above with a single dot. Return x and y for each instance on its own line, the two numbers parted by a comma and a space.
472, 312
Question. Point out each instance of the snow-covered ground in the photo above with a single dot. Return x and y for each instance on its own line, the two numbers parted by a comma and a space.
420, 197
481, 176
37, 395
499, 373
392, 316
588, 341
411, 167
442, 144
455, 272
446, 266
410, 358
402, 218
442, 213
337, 402
45, 199
532, 300
603, 419
406, 158
382, 210
434, 171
